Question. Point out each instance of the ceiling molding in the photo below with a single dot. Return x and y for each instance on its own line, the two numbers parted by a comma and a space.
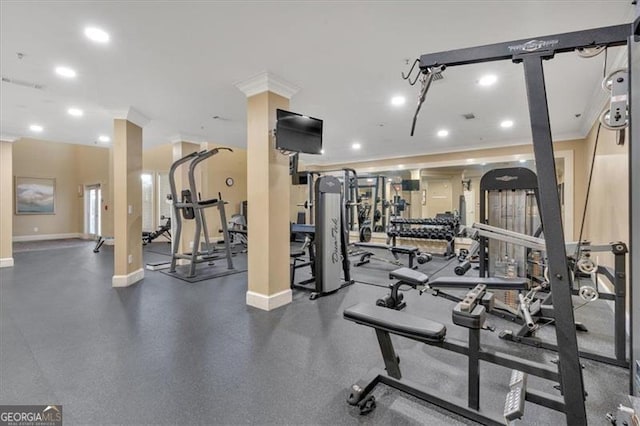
4, 137
133, 115
267, 82
181, 137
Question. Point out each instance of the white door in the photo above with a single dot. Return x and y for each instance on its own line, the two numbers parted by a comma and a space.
470, 206
93, 198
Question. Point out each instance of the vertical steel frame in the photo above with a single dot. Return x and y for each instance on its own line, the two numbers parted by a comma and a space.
634, 200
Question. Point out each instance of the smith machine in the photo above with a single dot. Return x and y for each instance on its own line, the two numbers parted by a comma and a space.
530, 53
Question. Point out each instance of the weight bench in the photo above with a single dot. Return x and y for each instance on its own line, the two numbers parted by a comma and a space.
470, 314
410, 251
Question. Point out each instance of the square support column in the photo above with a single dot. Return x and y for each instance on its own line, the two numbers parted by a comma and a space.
268, 186
6, 204
127, 203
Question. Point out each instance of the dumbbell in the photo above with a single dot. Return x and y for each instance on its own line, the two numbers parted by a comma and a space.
462, 268
423, 258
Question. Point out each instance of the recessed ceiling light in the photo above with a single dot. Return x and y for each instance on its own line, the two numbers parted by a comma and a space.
356, 146
322, 151
65, 72
103, 138
487, 80
443, 133
398, 100
36, 128
523, 161
506, 124
96, 34
76, 112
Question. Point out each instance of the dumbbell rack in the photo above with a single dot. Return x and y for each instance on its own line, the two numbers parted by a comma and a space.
432, 230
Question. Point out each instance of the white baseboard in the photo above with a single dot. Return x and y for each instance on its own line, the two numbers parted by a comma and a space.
269, 303
42, 237
6, 262
127, 280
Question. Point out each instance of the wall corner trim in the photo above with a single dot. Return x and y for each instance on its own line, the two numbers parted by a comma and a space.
269, 303
267, 82
6, 262
127, 280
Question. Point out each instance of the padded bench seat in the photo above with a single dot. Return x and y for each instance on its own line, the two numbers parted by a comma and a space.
409, 276
396, 249
396, 322
470, 282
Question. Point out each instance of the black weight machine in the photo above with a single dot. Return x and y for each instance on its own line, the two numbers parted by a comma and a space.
470, 313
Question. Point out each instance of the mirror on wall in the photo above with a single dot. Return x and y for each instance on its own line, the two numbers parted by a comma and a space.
429, 191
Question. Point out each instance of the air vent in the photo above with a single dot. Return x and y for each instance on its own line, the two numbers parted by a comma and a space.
22, 83
469, 116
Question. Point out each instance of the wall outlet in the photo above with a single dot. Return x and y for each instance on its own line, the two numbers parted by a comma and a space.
35, 229
130, 259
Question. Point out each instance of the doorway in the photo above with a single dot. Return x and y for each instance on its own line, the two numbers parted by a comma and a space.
93, 198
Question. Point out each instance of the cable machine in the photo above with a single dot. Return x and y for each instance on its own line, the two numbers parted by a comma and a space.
531, 53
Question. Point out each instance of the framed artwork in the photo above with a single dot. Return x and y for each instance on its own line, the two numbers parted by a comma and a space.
35, 195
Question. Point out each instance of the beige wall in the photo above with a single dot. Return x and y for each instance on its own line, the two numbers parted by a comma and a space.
70, 165
157, 158
221, 166
6, 203
607, 217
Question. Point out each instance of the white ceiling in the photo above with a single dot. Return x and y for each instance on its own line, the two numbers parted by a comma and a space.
177, 62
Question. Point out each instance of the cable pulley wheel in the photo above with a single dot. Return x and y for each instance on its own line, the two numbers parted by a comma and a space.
588, 294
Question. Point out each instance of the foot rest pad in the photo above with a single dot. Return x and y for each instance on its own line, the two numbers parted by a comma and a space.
514, 402
409, 276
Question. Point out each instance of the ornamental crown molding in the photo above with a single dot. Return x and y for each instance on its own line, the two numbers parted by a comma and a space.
267, 82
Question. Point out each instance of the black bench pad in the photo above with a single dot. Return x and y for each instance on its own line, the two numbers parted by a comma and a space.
396, 249
409, 276
470, 282
396, 322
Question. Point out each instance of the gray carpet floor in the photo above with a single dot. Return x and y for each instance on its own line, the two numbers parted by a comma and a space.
169, 352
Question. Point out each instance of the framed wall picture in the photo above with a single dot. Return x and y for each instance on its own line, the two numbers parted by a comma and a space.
35, 195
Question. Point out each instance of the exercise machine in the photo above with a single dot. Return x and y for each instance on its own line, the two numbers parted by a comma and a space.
189, 206
470, 313
163, 230
531, 53
328, 241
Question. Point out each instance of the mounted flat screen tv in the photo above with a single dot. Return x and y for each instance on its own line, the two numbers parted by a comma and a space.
298, 133
411, 185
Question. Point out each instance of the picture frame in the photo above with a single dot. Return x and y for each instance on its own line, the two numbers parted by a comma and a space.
35, 196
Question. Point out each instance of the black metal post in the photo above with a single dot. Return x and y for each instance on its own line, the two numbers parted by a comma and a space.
388, 354
634, 200
560, 279
474, 370
620, 290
